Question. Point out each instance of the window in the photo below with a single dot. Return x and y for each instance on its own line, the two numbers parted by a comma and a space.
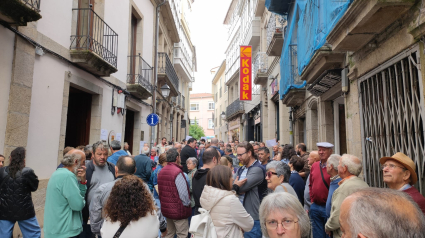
210, 105
194, 106
210, 124
194, 121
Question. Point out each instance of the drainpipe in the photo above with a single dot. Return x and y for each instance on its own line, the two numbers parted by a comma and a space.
155, 72
291, 133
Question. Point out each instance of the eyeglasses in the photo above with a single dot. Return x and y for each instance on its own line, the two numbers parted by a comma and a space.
391, 166
270, 173
286, 224
240, 155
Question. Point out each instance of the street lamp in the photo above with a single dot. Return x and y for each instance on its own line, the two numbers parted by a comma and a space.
223, 116
165, 90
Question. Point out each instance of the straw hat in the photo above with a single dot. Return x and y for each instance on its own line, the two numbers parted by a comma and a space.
406, 161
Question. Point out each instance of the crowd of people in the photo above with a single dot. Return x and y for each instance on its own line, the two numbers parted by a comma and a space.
249, 191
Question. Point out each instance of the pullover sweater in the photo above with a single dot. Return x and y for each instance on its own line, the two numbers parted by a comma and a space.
318, 190
64, 203
417, 197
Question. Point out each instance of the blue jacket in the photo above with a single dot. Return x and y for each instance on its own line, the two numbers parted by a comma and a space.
298, 184
154, 179
115, 156
218, 148
144, 169
332, 187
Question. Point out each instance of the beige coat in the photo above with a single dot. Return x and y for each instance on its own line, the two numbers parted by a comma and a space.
347, 188
227, 212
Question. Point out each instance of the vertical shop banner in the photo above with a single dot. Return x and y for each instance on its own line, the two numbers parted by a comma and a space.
245, 73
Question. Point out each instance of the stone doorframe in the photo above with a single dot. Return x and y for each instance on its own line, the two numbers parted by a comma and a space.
96, 108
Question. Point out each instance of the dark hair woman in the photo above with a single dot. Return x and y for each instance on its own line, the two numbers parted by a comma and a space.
16, 184
130, 205
227, 212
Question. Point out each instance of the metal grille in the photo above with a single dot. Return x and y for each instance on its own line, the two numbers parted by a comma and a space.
165, 66
34, 4
392, 115
140, 72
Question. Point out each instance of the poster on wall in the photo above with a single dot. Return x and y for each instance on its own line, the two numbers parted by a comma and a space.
142, 144
118, 137
103, 134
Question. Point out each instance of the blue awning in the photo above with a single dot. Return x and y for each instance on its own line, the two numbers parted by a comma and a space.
280, 7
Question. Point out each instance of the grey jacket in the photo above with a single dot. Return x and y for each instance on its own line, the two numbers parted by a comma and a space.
254, 189
99, 201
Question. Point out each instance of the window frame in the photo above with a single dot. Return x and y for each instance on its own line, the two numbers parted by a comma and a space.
195, 103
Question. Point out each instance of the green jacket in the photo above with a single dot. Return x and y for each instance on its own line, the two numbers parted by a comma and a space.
344, 190
64, 203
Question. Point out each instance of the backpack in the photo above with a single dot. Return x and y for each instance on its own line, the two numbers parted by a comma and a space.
201, 226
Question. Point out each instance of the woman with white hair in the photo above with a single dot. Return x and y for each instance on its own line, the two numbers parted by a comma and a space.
277, 176
281, 215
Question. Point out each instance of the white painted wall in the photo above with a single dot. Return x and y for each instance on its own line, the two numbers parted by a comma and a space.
6, 59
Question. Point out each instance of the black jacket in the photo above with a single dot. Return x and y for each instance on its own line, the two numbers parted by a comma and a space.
198, 182
186, 153
89, 173
15, 194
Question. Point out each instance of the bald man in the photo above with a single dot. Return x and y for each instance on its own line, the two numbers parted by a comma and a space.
65, 197
381, 212
312, 158
178, 147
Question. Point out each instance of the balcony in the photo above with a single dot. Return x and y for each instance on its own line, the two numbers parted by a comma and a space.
94, 46
252, 32
167, 74
182, 62
234, 109
19, 12
261, 66
139, 77
364, 20
322, 60
190, 86
232, 72
179, 100
183, 106
275, 29
325, 82
295, 97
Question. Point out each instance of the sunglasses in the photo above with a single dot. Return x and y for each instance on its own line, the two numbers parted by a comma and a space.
270, 173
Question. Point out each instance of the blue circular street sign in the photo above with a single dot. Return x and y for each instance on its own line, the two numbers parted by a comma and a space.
152, 119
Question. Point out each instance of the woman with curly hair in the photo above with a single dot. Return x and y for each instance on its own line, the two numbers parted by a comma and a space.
16, 184
130, 210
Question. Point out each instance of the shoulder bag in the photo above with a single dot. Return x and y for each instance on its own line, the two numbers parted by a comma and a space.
119, 232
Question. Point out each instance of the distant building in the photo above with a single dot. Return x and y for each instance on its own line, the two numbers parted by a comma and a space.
202, 112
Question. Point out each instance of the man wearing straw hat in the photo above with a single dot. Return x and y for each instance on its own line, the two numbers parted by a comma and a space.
400, 174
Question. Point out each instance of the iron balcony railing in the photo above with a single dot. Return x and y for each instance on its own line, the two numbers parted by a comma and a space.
140, 72
275, 25
235, 108
183, 102
165, 66
261, 64
34, 4
93, 34
174, 100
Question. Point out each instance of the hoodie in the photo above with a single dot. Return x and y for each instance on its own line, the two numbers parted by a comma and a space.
198, 183
226, 211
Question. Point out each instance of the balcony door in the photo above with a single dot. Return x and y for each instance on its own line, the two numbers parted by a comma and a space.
85, 24
133, 58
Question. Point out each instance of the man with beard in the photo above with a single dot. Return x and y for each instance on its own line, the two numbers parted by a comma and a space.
65, 197
98, 172
301, 150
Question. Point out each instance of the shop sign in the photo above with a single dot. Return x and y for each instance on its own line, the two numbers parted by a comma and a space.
245, 73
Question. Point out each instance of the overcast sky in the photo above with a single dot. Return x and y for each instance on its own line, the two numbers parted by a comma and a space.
209, 37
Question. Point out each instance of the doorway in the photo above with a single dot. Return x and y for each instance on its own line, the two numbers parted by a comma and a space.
78, 118
129, 129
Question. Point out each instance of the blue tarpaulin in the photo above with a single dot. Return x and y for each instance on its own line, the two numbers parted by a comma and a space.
310, 22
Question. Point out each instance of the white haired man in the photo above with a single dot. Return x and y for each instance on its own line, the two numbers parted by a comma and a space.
399, 173
332, 170
349, 169
381, 212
